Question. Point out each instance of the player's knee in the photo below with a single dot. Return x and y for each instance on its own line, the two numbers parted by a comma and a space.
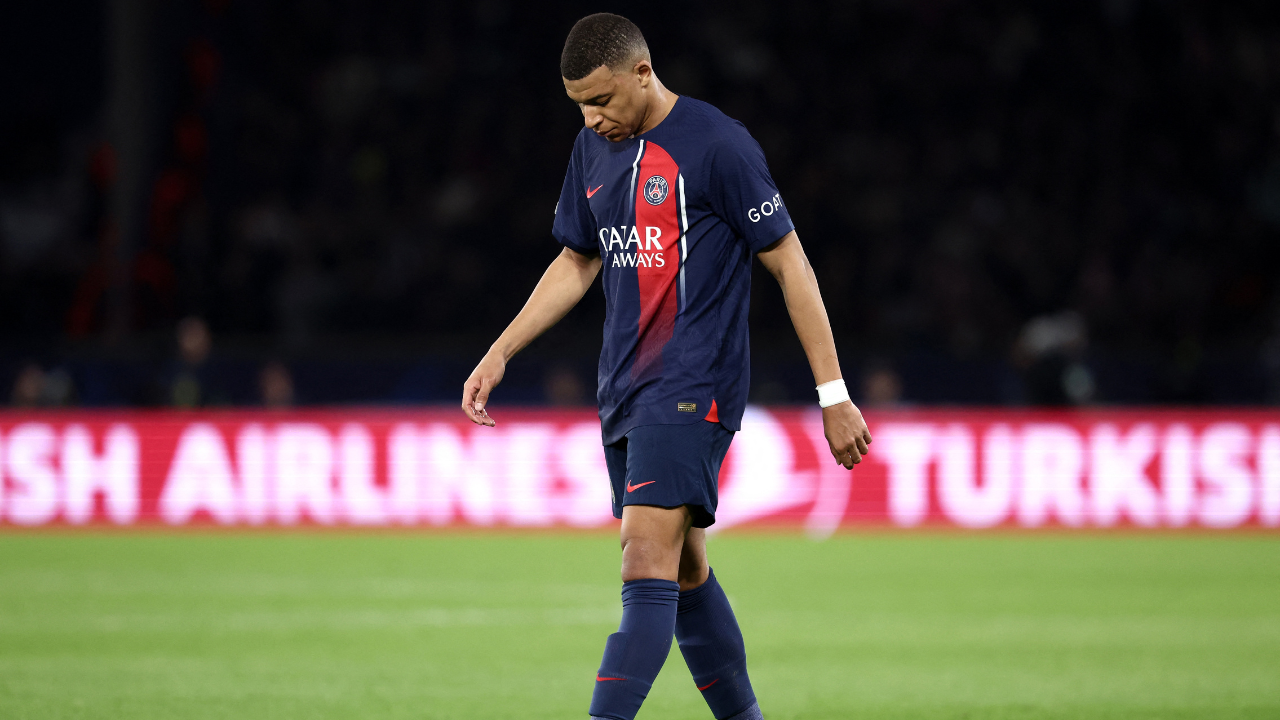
641, 551
644, 558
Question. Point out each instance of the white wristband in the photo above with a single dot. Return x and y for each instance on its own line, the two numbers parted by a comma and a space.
832, 393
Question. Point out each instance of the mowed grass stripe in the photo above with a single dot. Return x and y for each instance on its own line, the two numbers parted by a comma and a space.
339, 625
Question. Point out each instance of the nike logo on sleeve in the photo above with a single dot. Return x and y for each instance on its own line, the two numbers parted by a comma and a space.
631, 487
591, 192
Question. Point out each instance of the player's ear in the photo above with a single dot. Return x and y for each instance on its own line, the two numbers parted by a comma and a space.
643, 72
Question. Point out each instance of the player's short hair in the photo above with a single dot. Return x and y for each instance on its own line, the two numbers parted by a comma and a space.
602, 39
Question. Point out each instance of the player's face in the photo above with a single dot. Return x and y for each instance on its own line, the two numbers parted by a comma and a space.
613, 104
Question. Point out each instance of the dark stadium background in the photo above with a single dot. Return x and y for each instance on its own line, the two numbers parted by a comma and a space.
1006, 203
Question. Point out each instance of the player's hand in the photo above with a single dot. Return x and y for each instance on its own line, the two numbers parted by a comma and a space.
475, 391
847, 433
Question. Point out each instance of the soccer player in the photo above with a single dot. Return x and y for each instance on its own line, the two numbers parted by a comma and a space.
669, 198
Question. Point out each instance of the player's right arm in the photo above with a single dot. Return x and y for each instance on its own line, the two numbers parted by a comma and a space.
561, 287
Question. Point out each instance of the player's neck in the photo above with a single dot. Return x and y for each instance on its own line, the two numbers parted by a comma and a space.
660, 105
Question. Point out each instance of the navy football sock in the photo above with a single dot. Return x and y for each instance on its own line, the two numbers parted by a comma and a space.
634, 655
712, 647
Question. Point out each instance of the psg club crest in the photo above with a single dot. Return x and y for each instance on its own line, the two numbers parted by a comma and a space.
655, 190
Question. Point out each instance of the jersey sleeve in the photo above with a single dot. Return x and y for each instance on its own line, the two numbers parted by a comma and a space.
742, 192
575, 226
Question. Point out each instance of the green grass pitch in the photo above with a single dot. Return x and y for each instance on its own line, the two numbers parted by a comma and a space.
886, 625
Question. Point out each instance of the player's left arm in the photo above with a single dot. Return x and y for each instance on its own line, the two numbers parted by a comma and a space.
846, 431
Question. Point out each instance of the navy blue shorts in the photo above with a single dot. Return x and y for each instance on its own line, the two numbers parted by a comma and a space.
669, 466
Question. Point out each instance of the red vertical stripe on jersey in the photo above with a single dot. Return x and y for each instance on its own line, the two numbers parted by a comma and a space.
658, 227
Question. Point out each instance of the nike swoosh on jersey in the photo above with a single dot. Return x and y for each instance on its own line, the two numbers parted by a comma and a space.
631, 487
591, 192
713, 682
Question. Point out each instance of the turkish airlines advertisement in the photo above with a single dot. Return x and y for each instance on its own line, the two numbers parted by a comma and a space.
430, 467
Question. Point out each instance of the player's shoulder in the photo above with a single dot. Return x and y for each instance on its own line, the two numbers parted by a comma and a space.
705, 116
720, 132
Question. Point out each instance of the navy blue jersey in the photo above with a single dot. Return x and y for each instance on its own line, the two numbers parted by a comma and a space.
676, 216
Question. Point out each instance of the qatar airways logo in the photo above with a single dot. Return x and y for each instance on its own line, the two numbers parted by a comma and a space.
767, 208
623, 237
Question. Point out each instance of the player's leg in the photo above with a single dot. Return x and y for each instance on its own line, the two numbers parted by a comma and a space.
693, 559
651, 541
709, 638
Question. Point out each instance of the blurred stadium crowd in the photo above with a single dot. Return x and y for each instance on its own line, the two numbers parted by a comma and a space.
1005, 202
